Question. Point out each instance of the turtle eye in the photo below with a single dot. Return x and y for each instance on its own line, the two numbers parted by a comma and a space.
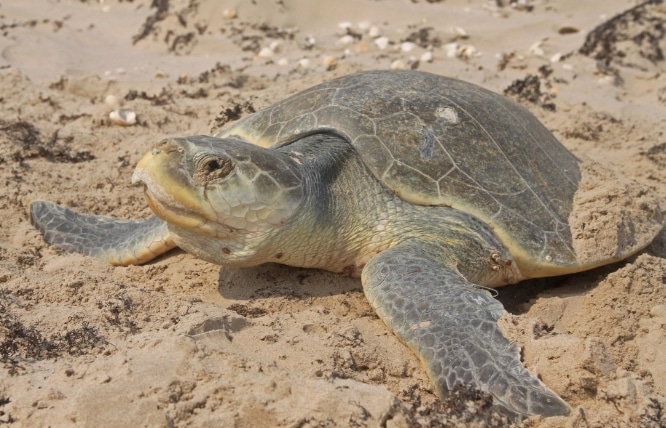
216, 167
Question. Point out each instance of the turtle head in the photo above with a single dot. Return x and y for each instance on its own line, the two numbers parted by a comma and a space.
206, 188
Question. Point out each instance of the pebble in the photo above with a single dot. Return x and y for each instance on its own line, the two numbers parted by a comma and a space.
467, 51
304, 62
283, 61
451, 50
364, 25
275, 44
344, 25
374, 31
310, 41
459, 32
346, 40
265, 53
361, 47
556, 58
427, 57
123, 117
112, 101
407, 46
229, 14
382, 42
328, 61
398, 65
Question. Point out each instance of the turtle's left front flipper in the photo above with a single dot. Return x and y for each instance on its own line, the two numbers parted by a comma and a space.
451, 324
117, 241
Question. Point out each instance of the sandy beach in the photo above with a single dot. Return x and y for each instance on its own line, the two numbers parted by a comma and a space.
87, 87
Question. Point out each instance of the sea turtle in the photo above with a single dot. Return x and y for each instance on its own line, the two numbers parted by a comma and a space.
429, 188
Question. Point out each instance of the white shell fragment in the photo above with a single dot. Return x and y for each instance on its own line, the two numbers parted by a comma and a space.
346, 40
310, 41
536, 48
304, 62
556, 57
229, 14
382, 42
265, 53
123, 117
451, 50
459, 33
374, 31
112, 100
426, 57
364, 25
398, 65
407, 46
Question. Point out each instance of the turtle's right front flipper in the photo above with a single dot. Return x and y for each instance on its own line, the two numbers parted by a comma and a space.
117, 241
451, 324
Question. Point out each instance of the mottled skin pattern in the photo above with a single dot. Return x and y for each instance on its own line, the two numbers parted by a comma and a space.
453, 327
429, 188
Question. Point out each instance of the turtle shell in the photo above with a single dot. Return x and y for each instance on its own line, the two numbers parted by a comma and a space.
435, 140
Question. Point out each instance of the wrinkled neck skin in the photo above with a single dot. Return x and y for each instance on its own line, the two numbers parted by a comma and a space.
347, 217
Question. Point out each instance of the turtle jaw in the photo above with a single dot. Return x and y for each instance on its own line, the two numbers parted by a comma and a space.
168, 188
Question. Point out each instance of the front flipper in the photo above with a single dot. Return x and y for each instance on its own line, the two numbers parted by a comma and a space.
117, 241
451, 324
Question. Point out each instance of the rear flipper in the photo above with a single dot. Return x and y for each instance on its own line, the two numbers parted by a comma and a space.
451, 324
117, 241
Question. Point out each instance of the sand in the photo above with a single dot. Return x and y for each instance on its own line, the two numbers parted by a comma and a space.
180, 342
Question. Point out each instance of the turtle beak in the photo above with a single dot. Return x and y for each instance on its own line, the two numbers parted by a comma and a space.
167, 184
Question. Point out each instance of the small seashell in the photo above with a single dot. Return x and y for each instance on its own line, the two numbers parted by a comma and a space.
426, 57
361, 47
344, 25
265, 53
283, 61
451, 49
364, 25
123, 117
459, 32
397, 65
467, 51
304, 62
329, 61
275, 44
229, 14
557, 57
346, 40
382, 42
112, 101
536, 49
310, 41
374, 31
407, 46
